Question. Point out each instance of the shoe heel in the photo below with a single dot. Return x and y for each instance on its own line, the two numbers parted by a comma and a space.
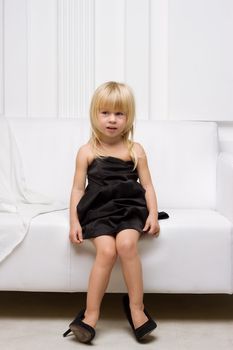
66, 333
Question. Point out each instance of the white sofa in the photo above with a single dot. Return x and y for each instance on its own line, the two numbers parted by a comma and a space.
194, 185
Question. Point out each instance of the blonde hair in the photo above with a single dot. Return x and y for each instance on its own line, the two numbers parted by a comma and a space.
113, 96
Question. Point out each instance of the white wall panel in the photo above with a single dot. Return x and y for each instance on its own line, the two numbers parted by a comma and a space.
122, 47
15, 58
176, 54
76, 57
109, 41
137, 53
42, 58
159, 59
200, 59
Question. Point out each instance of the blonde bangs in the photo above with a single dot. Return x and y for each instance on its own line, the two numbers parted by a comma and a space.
114, 102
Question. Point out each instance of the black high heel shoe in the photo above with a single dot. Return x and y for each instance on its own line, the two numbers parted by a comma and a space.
144, 329
82, 331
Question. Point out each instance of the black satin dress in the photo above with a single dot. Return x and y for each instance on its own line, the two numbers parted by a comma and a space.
114, 200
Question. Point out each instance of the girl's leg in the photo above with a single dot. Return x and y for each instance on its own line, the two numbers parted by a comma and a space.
126, 245
99, 276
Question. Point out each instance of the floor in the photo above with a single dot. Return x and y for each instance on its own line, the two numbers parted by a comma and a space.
185, 322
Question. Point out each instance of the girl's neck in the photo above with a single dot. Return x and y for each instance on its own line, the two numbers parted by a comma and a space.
111, 142
116, 149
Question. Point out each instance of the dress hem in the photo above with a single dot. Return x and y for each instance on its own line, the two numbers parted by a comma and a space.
113, 233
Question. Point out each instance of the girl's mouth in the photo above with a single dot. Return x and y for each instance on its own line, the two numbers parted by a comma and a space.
111, 128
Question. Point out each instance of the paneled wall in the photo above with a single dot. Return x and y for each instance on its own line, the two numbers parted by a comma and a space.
200, 59
176, 54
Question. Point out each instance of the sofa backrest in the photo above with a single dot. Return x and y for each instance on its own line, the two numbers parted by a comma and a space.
181, 155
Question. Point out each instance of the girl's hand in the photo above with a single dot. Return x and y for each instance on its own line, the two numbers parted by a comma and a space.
152, 225
76, 234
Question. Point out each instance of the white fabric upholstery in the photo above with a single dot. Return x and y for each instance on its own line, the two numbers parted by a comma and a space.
15, 196
48, 150
182, 159
193, 253
42, 261
225, 185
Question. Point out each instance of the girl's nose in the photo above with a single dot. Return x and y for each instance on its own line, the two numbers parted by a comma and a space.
112, 117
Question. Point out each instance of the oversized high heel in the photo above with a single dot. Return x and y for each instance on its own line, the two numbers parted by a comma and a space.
146, 328
82, 331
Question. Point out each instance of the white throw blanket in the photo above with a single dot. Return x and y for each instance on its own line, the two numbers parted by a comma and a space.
15, 197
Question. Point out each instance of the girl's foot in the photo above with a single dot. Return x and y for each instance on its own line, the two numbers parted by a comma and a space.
138, 317
91, 318
139, 330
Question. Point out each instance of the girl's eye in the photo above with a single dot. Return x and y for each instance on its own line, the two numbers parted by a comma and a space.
117, 114
120, 114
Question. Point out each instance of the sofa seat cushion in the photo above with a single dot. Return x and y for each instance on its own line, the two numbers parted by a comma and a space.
194, 250
191, 255
41, 260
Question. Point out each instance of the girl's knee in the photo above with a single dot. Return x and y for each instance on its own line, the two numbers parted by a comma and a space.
107, 253
126, 247
105, 248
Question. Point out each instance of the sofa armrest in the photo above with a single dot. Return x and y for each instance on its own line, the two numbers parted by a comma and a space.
224, 191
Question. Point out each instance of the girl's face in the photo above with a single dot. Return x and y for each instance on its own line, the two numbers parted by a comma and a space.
111, 124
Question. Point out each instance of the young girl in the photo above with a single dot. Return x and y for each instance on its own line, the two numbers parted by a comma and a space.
114, 209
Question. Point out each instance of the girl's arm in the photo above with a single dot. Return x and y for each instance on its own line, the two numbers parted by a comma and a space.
152, 224
77, 192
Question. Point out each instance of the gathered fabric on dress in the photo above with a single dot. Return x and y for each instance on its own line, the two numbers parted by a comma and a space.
114, 200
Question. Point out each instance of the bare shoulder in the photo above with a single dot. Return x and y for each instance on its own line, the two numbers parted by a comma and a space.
139, 150
85, 154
